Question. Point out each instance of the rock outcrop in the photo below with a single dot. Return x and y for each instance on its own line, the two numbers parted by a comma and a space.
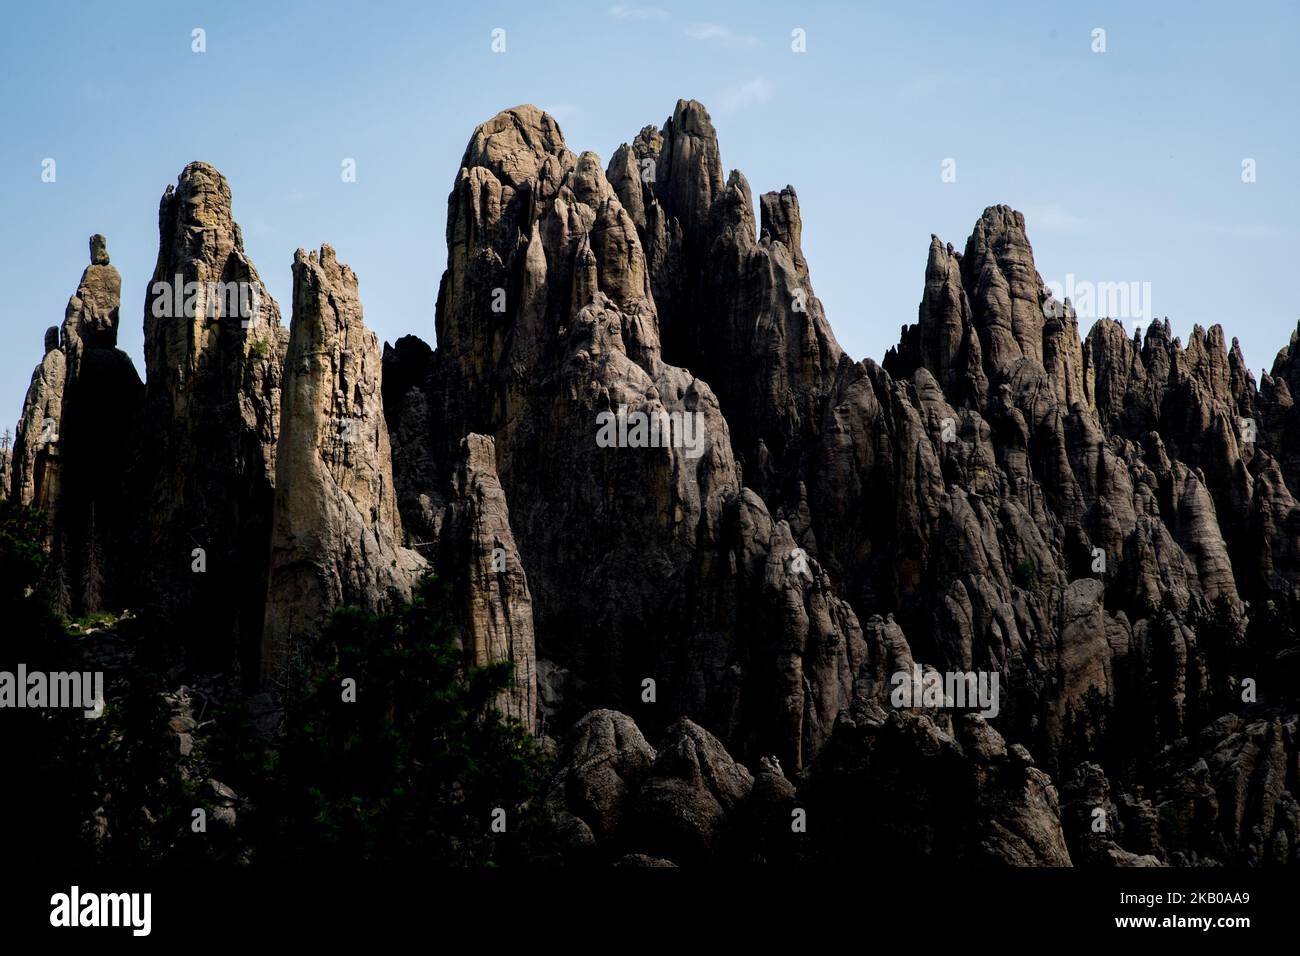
1029, 528
734, 298
1228, 796
36, 460
476, 552
659, 489
689, 801
898, 784
97, 434
644, 558
335, 535
603, 763
214, 353
76, 440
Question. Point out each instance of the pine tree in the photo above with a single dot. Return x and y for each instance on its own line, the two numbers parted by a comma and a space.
418, 766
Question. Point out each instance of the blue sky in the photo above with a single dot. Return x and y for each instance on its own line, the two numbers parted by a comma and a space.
1127, 163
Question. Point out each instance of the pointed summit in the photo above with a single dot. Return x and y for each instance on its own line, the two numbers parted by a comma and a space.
1005, 289
688, 176
335, 528
75, 440
214, 349
780, 221
91, 319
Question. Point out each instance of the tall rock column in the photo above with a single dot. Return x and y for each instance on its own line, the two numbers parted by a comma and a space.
35, 468
6, 466
477, 553
76, 438
214, 348
101, 403
1005, 290
335, 530
734, 298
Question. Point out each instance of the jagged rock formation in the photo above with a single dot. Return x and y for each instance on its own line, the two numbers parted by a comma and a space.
989, 531
214, 352
686, 804
75, 442
604, 761
1227, 795
889, 785
1084, 517
659, 488
101, 403
1224, 797
35, 470
461, 521
547, 322
735, 300
952, 790
476, 551
1094, 824
335, 531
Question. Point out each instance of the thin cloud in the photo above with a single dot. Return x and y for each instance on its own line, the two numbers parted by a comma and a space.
1246, 230
724, 35
625, 11
564, 111
1054, 218
758, 90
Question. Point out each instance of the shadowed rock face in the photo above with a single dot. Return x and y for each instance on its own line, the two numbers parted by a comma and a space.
335, 530
214, 353
1081, 516
477, 553
643, 563
999, 479
917, 784
1106, 523
35, 469
75, 441
602, 765
544, 238
734, 299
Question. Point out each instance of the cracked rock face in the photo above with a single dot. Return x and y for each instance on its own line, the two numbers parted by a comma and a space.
214, 352
660, 489
35, 469
546, 326
336, 532
644, 561
75, 442
1080, 513
477, 553
994, 491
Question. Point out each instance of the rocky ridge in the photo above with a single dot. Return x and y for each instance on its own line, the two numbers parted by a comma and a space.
1102, 521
